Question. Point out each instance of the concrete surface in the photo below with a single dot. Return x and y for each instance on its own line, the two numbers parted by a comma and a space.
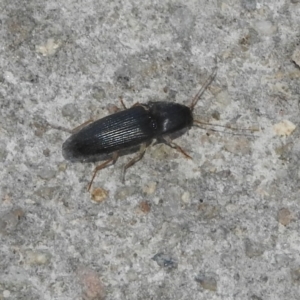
224, 225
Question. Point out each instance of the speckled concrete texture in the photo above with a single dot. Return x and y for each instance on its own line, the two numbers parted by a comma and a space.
224, 225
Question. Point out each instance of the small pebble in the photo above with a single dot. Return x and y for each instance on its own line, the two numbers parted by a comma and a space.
249, 4
144, 207
207, 281
6, 294
266, 28
92, 286
132, 275
98, 93
186, 197
48, 48
165, 261
10, 219
284, 216
156, 200
238, 146
208, 211
3, 152
295, 274
296, 56
150, 188
125, 192
223, 99
284, 128
46, 173
70, 111
46, 152
9, 77
99, 195
37, 257
253, 249
46, 192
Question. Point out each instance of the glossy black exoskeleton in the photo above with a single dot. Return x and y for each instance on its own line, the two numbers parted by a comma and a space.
126, 129
129, 128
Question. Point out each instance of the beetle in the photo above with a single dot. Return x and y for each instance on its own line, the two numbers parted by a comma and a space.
136, 126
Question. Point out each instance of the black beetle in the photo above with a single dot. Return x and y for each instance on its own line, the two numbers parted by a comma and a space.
129, 128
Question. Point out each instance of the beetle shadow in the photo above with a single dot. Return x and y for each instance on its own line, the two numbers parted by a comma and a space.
101, 157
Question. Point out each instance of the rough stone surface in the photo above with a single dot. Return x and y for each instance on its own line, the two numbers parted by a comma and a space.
214, 224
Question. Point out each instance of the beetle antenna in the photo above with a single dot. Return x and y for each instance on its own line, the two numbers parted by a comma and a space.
208, 81
202, 125
252, 129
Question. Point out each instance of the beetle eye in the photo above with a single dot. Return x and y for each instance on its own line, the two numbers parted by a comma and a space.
153, 124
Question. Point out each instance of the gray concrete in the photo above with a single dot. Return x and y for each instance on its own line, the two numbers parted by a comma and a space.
224, 225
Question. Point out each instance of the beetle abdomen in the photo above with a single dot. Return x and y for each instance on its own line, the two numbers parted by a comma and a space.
125, 129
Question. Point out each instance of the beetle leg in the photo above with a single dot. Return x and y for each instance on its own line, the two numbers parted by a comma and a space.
76, 129
102, 166
170, 143
57, 127
134, 160
206, 84
72, 131
122, 102
136, 104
